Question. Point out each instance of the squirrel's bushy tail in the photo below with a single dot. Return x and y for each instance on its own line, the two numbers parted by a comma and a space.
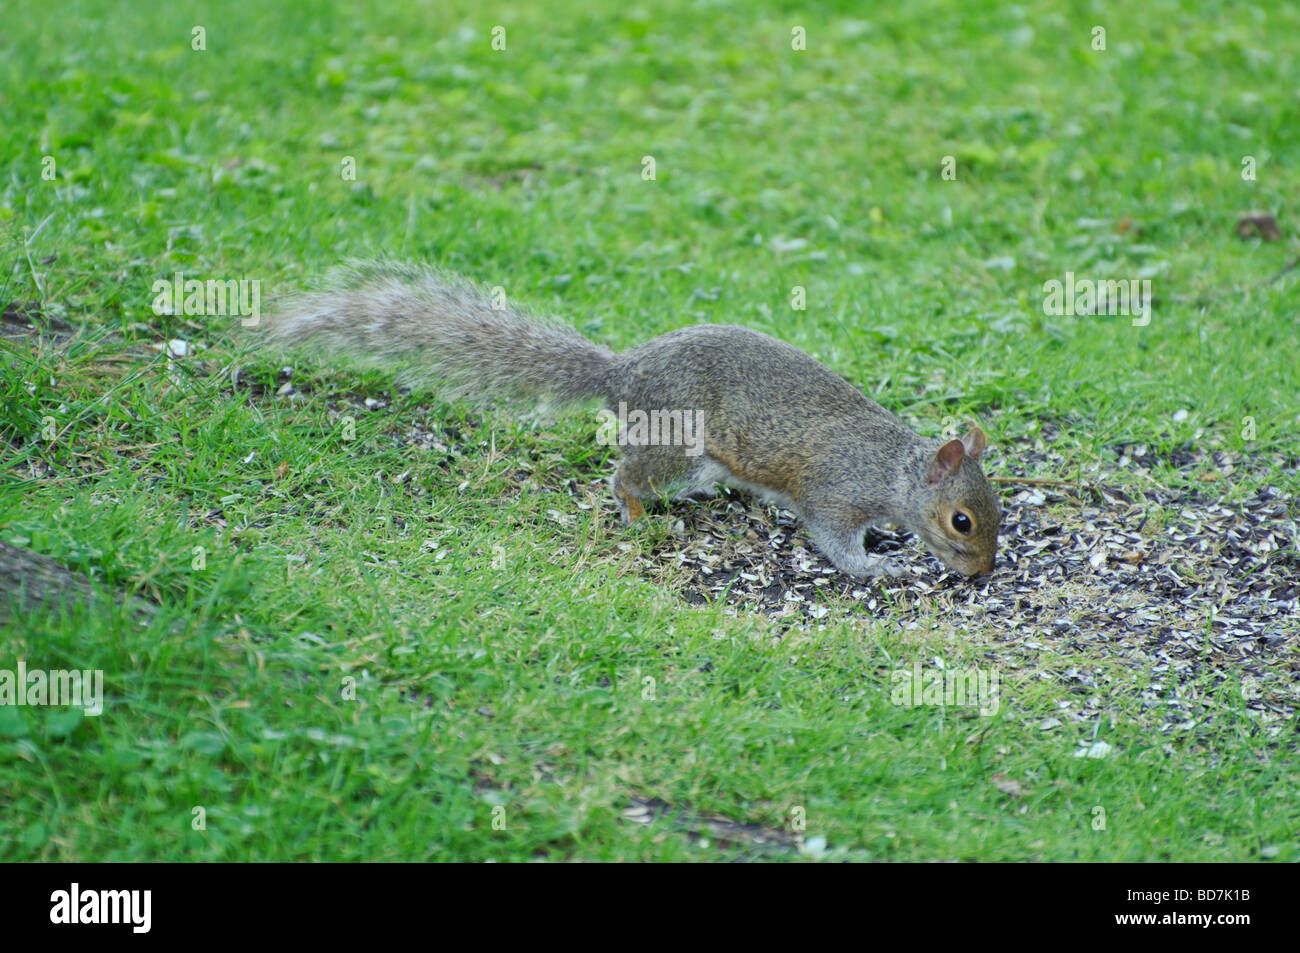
443, 331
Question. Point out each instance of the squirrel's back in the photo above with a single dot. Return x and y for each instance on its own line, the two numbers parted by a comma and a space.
747, 383
729, 364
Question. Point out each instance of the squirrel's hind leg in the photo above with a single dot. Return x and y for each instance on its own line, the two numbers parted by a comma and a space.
646, 473
627, 494
633, 481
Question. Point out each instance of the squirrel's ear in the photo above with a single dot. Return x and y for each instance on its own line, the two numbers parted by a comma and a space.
974, 442
945, 461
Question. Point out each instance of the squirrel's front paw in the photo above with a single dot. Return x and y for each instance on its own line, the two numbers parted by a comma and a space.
876, 566
888, 567
629, 509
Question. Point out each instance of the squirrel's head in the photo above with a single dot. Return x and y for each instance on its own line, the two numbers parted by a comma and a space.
961, 511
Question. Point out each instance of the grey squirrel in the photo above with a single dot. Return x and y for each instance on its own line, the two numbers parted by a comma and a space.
771, 419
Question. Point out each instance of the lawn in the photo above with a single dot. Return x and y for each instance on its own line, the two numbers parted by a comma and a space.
386, 627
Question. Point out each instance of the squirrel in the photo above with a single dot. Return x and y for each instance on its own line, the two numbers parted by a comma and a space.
768, 418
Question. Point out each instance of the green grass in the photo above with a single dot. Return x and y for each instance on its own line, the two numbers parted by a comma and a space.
390, 637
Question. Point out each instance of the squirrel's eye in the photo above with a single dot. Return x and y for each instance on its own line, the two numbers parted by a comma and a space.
961, 522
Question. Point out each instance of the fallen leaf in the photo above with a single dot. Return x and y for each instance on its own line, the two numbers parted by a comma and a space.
1258, 223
